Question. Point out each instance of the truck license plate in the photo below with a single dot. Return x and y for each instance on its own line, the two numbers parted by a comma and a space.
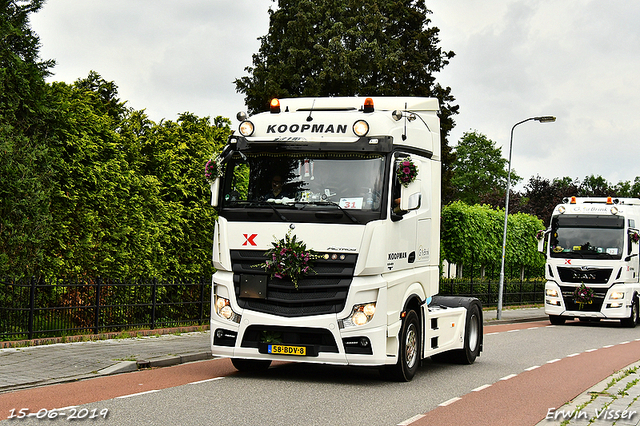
286, 350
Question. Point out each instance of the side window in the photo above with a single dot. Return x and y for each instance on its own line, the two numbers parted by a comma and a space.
237, 187
396, 188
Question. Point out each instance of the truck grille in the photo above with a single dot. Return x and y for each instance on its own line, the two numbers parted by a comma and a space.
571, 305
324, 292
587, 276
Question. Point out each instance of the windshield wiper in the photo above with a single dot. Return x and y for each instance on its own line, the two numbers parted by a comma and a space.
333, 203
272, 206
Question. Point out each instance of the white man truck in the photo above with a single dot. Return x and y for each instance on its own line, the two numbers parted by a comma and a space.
591, 270
357, 186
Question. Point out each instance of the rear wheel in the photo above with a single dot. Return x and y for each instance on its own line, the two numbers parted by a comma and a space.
409, 352
556, 319
633, 320
250, 365
472, 338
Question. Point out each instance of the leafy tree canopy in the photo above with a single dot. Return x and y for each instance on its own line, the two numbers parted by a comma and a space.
479, 168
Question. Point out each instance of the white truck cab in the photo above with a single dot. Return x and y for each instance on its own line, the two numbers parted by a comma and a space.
327, 173
591, 270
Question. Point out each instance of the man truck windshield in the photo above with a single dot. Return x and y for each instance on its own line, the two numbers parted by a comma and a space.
587, 236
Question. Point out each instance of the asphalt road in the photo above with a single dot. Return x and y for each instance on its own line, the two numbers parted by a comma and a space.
520, 362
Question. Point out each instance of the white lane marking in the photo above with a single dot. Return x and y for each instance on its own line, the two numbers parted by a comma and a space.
139, 393
510, 376
206, 380
553, 360
449, 402
411, 420
480, 388
532, 368
572, 355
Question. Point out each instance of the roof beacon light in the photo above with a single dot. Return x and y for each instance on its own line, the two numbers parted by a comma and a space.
368, 105
274, 107
609, 200
573, 200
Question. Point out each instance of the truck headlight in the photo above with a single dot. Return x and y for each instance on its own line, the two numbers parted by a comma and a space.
552, 293
361, 128
360, 315
617, 295
223, 310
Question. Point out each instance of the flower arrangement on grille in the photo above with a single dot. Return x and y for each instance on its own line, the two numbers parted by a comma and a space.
213, 169
583, 295
407, 172
289, 258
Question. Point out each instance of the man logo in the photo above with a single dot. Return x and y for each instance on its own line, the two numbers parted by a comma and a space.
249, 239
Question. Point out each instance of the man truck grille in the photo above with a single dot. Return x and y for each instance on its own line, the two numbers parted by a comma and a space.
587, 276
322, 292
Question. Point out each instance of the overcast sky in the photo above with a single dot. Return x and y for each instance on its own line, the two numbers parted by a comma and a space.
578, 60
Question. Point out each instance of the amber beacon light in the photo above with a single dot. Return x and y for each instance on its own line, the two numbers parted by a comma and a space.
274, 107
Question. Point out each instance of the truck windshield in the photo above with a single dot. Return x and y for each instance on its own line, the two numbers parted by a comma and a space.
574, 236
348, 182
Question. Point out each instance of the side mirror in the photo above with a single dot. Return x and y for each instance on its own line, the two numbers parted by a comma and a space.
215, 191
410, 196
541, 236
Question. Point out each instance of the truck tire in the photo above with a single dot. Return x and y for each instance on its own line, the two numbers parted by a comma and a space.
250, 365
472, 337
409, 352
556, 319
632, 321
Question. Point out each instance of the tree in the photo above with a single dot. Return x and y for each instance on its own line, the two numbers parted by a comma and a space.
350, 48
25, 218
479, 168
542, 195
594, 186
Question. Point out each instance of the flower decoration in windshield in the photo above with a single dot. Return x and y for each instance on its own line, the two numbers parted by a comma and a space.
213, 169
583, 295
406, 172
289, 259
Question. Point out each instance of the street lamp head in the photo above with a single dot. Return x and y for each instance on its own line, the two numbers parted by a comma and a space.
545, 119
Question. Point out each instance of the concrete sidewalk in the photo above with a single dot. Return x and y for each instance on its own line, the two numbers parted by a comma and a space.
25, 367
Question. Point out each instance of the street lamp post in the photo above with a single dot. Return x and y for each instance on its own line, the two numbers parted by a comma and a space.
542, 119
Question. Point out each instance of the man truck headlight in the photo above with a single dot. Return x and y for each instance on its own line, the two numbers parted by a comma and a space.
617, 295
360, 315
224, 310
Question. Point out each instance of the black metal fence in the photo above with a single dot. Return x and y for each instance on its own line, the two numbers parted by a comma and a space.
514, 292
37, 308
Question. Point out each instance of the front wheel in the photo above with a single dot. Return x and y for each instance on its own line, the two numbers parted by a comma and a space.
409, 352
633, 319
556, 319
